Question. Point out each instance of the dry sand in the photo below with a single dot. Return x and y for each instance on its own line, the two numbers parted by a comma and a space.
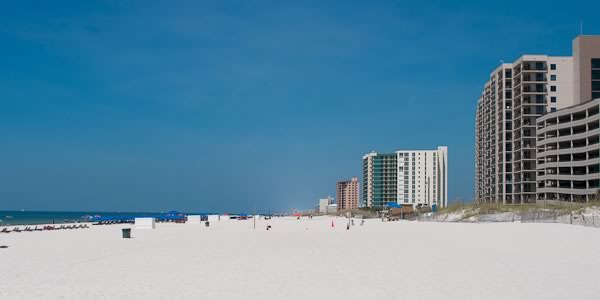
305, 259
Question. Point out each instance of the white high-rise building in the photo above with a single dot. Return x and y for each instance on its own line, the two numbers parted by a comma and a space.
423, 177
408, 177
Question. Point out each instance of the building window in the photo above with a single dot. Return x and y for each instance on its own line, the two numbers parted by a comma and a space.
539, 65
595, 63
596, 74
552, 77
539, 77
540, 99
595, 85
553, 88
553, 109
553, 99
552, 66
540, 110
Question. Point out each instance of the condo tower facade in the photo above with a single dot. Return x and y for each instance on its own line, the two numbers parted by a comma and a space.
347, 194
415, 178
513, 98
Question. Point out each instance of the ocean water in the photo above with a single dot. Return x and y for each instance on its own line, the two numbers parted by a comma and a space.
56, 217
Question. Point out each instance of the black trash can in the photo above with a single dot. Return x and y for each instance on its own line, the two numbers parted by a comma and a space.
207, 223
126, 233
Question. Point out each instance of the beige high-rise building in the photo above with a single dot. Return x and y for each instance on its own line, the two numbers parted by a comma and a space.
568, 157
347, 194
513, 98
586, 59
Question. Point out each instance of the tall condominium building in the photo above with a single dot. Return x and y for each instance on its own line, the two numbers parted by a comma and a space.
423, 177
586, 57
408, 177
568, 158
347, 194
380, 173
514, 97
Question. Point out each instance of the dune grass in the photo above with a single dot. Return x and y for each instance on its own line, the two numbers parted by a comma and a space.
474, 209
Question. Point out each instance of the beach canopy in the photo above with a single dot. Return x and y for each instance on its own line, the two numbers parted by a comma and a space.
112, 218
172, 215
394, 205
169, 217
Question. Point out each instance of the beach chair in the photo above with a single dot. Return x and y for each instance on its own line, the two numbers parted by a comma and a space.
28, 228
37, 229
5, 230
17, 229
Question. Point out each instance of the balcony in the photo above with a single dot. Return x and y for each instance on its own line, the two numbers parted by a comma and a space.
534, 66
535, 90
539, 77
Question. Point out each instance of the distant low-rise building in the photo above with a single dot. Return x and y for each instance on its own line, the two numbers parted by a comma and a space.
331, 208
323, 203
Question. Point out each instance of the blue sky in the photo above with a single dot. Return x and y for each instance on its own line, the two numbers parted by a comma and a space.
223, 105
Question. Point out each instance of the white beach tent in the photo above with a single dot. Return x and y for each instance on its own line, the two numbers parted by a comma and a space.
145, 223
194, 219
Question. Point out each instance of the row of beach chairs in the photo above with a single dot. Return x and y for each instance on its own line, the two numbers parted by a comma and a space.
46, 227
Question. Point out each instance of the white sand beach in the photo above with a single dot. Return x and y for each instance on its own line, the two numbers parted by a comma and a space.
304, 259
